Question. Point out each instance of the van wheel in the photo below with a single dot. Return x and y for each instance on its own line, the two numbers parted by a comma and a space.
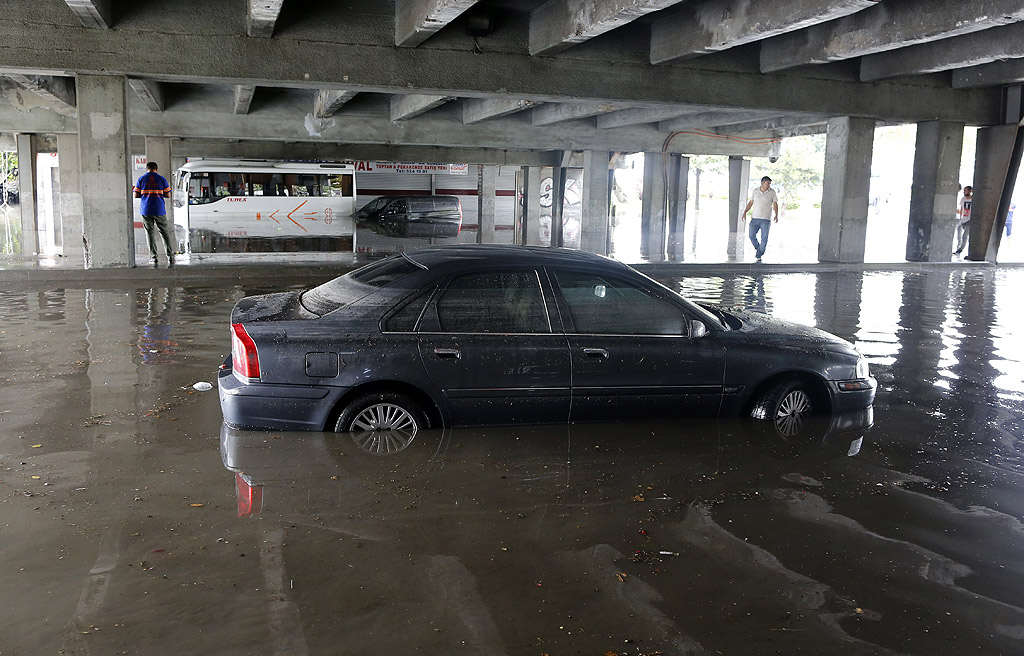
787, 403
382, 411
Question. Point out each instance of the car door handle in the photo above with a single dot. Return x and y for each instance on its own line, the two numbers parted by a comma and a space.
448, 353
596, 353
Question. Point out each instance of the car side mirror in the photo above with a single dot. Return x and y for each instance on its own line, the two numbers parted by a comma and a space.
697, 328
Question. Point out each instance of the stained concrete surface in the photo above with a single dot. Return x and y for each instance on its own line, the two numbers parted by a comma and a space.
131, 522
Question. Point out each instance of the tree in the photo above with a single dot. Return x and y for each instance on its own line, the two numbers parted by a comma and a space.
801, 166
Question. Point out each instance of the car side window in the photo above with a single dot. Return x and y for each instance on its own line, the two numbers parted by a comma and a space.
608, 306
493, 302
404, 319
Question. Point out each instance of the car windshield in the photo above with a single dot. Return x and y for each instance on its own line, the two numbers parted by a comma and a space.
352, 286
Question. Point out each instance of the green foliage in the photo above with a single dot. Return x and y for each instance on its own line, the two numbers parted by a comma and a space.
800, 168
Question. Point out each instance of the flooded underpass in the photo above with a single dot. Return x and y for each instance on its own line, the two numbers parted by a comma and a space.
133, 522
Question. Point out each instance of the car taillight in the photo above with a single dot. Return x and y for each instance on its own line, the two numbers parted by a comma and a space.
245, 361
459, 232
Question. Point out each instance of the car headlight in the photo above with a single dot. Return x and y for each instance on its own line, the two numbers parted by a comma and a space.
862, 368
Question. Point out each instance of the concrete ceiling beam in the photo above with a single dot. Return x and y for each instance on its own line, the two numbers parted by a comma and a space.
775, 123
1006, 42
1010, 71
512, 133
243, 98
558, 112
329, 101
58, 92
704, 27
150, 92
642, 115
262, 16
94, 14
475, 110
560, 24
604, 76
418, 20
887, 26
411, 105
712, 119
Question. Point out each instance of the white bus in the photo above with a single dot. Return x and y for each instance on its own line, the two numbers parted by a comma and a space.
263, 206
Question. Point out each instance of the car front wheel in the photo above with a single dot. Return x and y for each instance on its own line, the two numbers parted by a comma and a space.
786, 403
382, 411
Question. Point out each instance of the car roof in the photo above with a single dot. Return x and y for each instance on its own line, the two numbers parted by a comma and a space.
436, 257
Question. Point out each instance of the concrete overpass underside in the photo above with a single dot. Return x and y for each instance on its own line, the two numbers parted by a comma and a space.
527, 83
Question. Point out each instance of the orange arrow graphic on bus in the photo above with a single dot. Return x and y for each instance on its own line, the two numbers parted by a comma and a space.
293, 212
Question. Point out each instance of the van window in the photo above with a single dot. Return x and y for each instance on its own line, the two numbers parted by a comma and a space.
422, 204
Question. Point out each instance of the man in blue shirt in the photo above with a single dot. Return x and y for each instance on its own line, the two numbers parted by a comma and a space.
153, 188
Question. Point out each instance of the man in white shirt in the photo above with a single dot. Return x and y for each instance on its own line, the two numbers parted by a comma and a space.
963, 226
765, 203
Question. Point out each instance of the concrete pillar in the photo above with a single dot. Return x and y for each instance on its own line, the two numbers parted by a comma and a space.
934, 191
71, 199
557, 206
158, 149
739, 185
654, 229
531, 205
997, 156
27, 191
596, 202
844, 205
678, 186
487, 180
106, 171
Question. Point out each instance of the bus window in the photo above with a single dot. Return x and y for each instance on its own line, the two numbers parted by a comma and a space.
340, 185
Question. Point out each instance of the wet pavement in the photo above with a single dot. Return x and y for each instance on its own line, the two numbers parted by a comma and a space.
132, 522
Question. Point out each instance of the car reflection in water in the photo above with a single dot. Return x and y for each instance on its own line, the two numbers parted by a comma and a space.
352, 481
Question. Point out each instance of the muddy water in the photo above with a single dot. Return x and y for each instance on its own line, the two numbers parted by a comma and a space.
132, 522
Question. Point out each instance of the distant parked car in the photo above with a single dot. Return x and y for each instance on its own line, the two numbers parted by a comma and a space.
487, 334
414, 216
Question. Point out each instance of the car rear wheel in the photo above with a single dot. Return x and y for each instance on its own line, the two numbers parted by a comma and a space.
382, 411
788, 404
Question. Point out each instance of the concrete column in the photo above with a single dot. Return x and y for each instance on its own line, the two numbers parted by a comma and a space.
933, 194
27, 191
557, 206
678, 185
158, 149
996, 157
597, 200
739, 185
844, 205
71, 199
106, 171
487, 180
531, 205
654, 229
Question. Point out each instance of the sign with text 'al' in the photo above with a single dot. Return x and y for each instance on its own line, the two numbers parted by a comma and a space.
411, 168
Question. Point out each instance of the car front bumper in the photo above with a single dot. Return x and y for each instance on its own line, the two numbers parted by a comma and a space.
274, 407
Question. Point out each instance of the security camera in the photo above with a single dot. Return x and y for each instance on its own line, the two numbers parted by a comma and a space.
773, 158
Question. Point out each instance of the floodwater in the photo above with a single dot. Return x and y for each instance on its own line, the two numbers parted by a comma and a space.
132, 522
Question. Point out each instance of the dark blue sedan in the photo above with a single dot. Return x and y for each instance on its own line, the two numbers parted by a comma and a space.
473, 335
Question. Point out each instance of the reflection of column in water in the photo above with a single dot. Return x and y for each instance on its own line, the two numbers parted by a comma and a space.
837, 302
112, 390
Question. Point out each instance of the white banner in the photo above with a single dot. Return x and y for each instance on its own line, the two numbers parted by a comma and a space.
411, 168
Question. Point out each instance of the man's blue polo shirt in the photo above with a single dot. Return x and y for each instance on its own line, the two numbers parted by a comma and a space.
152, 186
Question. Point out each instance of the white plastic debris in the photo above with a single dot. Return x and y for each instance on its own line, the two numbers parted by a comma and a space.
202, 386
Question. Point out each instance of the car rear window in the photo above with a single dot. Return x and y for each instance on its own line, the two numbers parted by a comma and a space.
421, 204
352, 286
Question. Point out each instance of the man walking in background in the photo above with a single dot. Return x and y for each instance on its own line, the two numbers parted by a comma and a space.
765, 203
963, 227
153, 188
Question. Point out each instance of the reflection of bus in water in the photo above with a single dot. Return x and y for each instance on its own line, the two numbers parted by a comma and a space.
264, 206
